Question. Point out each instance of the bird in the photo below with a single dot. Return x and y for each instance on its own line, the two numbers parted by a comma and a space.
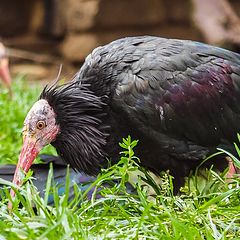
178, 98
4, 67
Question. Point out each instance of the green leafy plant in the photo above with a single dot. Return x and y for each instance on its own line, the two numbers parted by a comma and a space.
13, 112
206, 209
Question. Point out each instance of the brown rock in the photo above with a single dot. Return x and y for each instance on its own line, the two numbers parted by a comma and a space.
54, 22
236, 6
80, 14
15, 17
103, 14
116, 13
31, 71
217, 21
77, 46
178, 11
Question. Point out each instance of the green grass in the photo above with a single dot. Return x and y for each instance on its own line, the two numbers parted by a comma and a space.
206, 209
12, 114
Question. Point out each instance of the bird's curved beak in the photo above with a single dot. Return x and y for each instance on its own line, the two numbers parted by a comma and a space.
29, 152
4, 72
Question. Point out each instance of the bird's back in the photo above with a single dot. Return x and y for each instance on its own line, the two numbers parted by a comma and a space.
180, 97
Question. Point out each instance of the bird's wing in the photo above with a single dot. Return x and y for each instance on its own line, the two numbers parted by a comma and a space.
179, 90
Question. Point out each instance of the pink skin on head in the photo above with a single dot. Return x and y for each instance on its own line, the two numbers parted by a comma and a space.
34, 137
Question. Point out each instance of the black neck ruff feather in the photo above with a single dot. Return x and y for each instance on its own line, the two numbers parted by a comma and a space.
80, 115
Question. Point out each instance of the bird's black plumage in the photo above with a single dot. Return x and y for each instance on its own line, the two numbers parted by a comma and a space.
179, 98
79, 113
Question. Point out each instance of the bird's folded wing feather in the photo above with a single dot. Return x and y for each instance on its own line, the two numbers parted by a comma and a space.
180, 90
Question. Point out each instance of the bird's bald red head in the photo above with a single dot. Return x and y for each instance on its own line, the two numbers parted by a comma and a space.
40, 129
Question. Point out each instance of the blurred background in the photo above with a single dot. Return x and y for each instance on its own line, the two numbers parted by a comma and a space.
42, 34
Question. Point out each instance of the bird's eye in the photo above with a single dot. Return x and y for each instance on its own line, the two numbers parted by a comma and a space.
41, 125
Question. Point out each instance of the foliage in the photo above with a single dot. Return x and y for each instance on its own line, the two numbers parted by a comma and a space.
206, 209
13, 112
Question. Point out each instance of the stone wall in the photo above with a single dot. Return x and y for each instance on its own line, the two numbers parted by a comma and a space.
90, 23
75, 27
78, 26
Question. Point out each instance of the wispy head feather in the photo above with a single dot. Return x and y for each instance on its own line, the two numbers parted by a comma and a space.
79, 114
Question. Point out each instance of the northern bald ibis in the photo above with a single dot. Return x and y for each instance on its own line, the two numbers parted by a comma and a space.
179, 98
